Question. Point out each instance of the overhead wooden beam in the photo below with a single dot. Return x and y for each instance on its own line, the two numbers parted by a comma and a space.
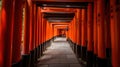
65, 0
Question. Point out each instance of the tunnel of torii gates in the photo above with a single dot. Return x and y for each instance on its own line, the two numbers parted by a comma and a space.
94, 32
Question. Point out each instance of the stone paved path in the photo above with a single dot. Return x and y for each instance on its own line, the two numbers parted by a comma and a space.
59, 54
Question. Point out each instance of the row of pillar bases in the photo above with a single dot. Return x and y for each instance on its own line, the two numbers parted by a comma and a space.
85, 49
30, 60
7, 33
88, 58
11, 35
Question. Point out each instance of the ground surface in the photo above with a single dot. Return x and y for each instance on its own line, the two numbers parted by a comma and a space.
59, 54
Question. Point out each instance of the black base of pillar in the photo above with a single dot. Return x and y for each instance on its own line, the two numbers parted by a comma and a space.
70, 42
49, 43
39, 51
26, 60
74, 48
108, 52
79, 51
94, 60
108, 55
83, 53
32, 58
101, 62
44, 46
89, 59
18, 64
36, 54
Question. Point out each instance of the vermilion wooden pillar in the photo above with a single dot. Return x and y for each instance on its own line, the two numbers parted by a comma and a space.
75, 23
6, 33
44, 34
37, 21
90, 35
90, 28
26, 55
107, 33
39, 30
77, 26
71, 30
84, 34
95, 32
42, 47
80, 32
50, 30
32, 39
74, 29
47, 30
32, 28
73, 34
32, 45
100, 32
115, 31
27, 28
42, 27
17, 33
39, 9
35, 31
79, 15
44, 30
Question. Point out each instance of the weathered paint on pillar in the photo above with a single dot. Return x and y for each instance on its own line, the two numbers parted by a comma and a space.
79, 17
31, 28
95, 27
100, 28
37, 28
17, 32
80, 20
90, 35
101, 34
95, 33
6, 33
107, 26
77, 26
90, 28
107, 32
73, 23
115, 31
27, 28
35, 24
45, 30
42, 28
39, 25
84, 26
84, 34
43, 20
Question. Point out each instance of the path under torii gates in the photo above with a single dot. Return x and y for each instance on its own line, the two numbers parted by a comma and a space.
92, 27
